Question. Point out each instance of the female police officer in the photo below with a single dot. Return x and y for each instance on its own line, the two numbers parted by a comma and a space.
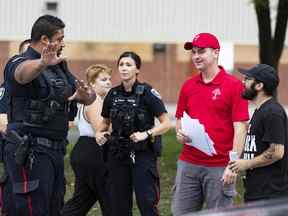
131, 108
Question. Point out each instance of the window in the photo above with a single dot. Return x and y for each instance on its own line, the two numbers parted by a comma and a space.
51, 7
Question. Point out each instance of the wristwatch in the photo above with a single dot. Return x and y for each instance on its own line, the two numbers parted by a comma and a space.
149, 133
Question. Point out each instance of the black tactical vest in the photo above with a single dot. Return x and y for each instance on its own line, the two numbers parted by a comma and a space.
48, 112
128, 114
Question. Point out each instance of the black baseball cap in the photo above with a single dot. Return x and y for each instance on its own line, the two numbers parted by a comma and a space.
263, 73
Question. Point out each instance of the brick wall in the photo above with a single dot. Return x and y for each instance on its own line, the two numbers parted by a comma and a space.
165, 71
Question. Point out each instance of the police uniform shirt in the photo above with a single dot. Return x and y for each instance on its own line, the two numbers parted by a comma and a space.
18, 90
12, 85
3, 99
151, 100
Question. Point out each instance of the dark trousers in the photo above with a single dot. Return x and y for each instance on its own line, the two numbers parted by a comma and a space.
37, 190
6, 195
5, 185
142, 177
90, 175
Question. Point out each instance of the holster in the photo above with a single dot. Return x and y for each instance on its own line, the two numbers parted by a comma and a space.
23, 144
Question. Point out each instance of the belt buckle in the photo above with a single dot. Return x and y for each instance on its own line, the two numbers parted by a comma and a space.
44, 142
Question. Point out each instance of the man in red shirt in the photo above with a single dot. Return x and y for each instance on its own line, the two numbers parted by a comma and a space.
213, 100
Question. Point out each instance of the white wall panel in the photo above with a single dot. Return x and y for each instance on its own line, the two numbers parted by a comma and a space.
16, 18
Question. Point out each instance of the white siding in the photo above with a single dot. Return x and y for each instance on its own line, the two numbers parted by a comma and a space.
136, 20
17, 17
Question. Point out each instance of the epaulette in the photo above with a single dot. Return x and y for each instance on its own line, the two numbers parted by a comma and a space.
147, 85
142, 87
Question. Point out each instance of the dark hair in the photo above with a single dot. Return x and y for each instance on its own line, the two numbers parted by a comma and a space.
132, 55
46, 25
22, 44
268, 90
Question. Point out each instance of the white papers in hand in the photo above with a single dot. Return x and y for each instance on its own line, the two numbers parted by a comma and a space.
196, 132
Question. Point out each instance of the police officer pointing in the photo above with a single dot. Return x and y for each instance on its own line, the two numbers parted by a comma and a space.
42, 99
131, 108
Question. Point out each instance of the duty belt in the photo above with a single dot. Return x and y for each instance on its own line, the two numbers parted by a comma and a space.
122, 142
52, 144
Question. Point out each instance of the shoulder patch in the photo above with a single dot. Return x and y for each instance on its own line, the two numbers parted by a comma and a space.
2, 92
17, 58
155, 93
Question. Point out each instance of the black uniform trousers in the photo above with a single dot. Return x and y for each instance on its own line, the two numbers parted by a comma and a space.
37, 190
141, 176
6, 194
90, 179
5, 184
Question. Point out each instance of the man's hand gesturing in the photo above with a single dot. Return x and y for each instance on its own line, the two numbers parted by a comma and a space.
49, 55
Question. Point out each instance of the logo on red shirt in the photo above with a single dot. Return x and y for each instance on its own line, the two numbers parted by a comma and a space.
216, 92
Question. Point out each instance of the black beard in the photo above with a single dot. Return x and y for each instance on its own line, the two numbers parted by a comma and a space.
251, 93
59, 52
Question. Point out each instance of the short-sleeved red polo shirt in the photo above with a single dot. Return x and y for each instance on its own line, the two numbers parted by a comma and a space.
216, 105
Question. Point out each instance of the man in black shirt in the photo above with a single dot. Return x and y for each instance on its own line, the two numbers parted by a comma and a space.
265, 153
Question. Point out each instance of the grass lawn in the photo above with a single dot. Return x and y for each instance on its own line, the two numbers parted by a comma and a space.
171, 149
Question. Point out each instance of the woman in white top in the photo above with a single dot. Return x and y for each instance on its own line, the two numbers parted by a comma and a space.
87, 156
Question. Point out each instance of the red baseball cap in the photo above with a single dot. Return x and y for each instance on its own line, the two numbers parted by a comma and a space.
203, 40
